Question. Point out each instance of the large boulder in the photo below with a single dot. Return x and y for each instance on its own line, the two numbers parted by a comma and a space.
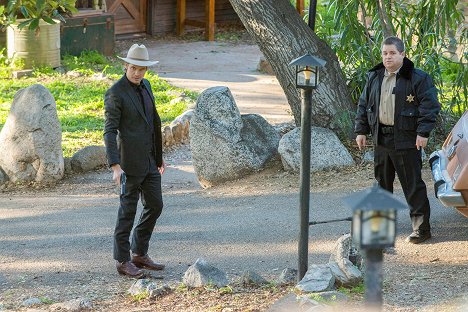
326, 150
31, 140
225, 145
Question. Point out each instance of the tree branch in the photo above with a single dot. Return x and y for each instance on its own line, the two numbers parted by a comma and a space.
366, 29
385, 21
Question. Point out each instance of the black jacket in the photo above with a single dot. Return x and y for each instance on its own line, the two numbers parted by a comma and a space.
417, 117
127, 134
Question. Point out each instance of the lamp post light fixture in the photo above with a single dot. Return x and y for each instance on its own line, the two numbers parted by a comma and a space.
374, 228
307, 71
307, 78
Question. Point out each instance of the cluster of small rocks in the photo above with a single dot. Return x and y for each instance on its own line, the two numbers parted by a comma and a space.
317, 288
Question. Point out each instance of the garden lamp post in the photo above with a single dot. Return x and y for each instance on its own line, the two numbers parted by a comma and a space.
307, 78
373, 229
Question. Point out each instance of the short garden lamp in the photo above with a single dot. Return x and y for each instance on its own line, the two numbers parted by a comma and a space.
373, 229
307, 71
374, 217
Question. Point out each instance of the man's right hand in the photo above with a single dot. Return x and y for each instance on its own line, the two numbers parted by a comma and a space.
361, 141
117, 173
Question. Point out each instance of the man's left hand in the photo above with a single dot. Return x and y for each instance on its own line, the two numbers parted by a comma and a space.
421, 142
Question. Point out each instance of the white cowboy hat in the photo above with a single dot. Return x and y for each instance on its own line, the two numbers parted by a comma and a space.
138, 55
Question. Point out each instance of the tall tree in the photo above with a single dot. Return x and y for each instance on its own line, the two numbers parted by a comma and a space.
282, 36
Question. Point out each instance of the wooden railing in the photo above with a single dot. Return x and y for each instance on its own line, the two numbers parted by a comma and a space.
208, 23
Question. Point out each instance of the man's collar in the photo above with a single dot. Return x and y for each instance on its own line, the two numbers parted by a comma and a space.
387, 73
134, 86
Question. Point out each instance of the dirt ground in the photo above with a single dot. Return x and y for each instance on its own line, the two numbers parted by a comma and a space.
427, 277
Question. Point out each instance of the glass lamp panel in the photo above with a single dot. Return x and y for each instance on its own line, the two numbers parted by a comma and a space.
306, 78
378, 228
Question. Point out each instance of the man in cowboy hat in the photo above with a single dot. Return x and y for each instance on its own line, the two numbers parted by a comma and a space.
132, 134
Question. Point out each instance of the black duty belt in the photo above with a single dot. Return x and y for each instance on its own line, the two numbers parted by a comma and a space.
386, 129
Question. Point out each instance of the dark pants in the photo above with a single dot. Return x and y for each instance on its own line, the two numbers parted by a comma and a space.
407, 164
150, 188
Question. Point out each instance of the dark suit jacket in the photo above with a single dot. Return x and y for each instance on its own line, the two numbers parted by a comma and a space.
127, 134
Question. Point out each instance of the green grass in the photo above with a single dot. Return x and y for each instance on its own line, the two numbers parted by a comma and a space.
80, 100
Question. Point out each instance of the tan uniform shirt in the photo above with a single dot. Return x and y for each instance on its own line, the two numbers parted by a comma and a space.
387, 99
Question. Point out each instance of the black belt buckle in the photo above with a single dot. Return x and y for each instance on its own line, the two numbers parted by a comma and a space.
386, 129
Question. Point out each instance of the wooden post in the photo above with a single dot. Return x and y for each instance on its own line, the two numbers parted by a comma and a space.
209, 19
300, 7
180, 22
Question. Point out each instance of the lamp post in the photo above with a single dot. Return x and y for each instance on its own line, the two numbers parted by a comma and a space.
373, 229
307, 78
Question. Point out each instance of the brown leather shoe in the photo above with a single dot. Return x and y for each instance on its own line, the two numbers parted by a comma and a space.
129, 269
417, 237
146, 263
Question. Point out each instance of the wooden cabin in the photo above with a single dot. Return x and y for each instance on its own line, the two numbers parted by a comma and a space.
158, 17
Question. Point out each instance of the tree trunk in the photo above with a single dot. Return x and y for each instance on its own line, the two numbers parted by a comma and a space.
283, 36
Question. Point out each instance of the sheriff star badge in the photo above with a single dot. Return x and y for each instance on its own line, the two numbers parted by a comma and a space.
410, 98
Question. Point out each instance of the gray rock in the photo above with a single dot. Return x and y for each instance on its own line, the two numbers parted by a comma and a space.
225, 145
201, 273
287, 276
31, 138
186, 131
326, 150
184, 117
67, 165
184, 120
89, 158
3, 177
141, 286
2, 308
317, 279
342, 248
75, 305
340, 276
252, 278
352, 272
160, 291
31, 301
346, 274
177, 130
167, 135
285, 127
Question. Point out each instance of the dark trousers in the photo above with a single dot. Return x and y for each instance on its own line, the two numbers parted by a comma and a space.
407, 164
150, 188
